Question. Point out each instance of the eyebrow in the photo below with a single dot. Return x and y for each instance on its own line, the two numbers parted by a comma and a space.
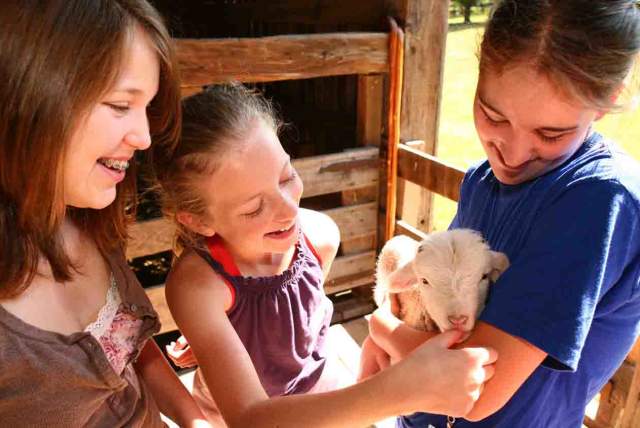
544, 128
128, 90
286, 163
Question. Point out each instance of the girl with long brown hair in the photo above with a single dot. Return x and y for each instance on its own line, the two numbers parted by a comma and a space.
84, 85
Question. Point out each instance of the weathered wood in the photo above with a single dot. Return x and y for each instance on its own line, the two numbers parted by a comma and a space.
265, 59
359, 196
634, 355
354, 221
631, 413
150, 237
353, 307
425, 23
429, 172
404, 228
159, 302
339, 171
350, 244
358, 245
357, 264
349, 282
613, 397
396, 46
369, 110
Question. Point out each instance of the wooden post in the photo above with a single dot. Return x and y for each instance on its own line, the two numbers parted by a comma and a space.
396, 47
425, 23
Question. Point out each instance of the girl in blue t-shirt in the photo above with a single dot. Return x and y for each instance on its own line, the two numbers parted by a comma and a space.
561, 201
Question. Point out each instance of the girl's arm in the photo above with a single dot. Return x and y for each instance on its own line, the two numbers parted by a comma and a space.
518, 358
392, 335
172, 397
416, 383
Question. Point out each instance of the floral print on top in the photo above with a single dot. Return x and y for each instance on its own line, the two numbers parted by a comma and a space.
115, 329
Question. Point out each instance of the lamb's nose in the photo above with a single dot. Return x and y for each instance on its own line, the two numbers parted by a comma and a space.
458, 320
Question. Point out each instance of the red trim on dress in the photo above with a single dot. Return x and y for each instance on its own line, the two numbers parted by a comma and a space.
220, 254
313, 250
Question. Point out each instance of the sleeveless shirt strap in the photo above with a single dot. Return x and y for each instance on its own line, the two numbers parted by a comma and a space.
220, 269
311, 247
220, 254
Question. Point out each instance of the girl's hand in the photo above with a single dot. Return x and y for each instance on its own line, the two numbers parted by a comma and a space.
440, 380
181, 354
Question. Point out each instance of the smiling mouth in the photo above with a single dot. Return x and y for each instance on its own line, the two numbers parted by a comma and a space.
281, 232
116, 165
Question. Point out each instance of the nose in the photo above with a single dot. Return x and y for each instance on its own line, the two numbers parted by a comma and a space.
139, 136
517, 151
288, 208
458, 320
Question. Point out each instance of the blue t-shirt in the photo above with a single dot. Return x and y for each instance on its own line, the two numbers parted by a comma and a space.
573, 238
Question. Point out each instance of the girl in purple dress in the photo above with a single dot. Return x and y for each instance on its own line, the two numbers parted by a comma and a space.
247, 289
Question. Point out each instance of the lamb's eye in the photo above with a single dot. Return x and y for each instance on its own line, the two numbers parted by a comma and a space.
424, 281
485, 276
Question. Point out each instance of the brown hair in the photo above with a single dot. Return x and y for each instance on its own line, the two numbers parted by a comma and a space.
586, 47
214, 122
58, 58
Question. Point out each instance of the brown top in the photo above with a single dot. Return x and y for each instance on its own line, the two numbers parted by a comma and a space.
49, 379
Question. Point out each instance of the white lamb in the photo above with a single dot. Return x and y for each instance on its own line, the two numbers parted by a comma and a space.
441, 282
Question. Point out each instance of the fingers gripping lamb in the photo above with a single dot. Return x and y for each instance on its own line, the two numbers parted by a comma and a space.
442, 282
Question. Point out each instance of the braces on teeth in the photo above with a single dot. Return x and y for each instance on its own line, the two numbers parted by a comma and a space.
115, 164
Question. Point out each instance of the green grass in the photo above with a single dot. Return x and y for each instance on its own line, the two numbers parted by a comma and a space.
458, 142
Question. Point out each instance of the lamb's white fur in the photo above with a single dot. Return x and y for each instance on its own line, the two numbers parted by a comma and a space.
445, 275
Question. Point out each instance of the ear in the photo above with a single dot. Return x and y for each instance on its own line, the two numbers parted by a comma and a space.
499, 263
194, 223
402, 279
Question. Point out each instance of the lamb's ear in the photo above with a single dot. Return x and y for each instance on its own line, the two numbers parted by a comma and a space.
402, 279
499, 263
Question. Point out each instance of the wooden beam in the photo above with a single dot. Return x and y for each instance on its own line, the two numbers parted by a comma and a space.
357, 264
404, 228
369, 104
631, 413
336, 172
396, 46
429, 172
354, 221
265, 59
425, 23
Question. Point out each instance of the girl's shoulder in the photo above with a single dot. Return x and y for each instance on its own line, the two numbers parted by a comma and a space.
322, 232
192, 276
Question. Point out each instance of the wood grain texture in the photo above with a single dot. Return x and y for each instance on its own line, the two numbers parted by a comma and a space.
265, 59
429, 172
